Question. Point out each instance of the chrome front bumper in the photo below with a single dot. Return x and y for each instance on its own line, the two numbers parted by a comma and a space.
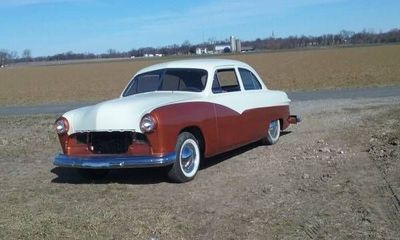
111, 162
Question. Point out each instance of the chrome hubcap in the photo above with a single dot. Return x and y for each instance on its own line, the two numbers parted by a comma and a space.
273, 129
188, 156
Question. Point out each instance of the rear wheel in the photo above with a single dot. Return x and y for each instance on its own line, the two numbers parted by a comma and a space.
92, 174
188, 157
273, 133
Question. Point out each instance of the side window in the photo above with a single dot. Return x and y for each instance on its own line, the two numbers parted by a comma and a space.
193, 80
225, 80
250, 82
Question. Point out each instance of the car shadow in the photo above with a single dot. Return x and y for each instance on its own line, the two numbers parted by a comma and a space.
212, 161
135, 176
215, 160
283, 133
144, 176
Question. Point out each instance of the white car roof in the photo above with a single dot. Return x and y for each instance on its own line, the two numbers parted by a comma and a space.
204, 63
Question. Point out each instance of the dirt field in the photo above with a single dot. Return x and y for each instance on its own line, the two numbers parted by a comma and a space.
292, 70
335, 176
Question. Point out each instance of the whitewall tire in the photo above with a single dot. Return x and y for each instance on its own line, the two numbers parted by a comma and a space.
273, 132
188, 157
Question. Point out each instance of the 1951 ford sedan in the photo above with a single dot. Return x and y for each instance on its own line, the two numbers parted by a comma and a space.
174, 114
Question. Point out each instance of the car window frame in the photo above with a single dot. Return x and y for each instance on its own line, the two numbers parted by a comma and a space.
215, 77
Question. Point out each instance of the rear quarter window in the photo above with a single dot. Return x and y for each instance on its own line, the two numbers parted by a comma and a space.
250, 82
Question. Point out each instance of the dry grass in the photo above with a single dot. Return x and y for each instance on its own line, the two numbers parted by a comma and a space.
32, 207
292, 70
260, 192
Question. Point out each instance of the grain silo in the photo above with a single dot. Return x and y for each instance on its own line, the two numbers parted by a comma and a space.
238, 45
233, 44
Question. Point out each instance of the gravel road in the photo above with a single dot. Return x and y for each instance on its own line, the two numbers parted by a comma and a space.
334, 176
294, 96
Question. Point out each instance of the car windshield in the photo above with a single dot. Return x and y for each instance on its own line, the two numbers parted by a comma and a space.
171, 79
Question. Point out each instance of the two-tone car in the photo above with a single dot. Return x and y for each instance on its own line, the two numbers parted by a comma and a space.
174, 114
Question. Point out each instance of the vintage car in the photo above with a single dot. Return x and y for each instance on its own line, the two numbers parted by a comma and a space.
174, 114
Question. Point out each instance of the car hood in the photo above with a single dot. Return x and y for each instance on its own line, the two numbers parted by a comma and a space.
122, 114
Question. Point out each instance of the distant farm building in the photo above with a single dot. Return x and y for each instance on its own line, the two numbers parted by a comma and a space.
149, 55
222, 48
235, 45
200, 51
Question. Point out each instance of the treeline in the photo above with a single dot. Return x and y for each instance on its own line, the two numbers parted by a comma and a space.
186, 48
342, 38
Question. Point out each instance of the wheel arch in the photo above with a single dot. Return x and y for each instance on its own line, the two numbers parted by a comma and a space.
198, 133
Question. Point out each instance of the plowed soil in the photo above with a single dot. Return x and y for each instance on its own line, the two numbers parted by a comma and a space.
287, 70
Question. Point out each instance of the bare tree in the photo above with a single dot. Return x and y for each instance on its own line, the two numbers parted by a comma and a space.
111, 51
7, 57
26, 55
13, 55
185, 47
3, 57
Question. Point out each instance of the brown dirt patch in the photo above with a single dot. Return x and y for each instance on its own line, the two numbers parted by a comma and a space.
319, 181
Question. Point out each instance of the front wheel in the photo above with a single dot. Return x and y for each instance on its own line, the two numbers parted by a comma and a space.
273, 134
187, 158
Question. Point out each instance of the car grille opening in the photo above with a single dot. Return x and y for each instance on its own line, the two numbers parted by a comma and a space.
110, 142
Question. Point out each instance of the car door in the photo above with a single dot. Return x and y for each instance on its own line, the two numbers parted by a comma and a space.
228, 99
255, 117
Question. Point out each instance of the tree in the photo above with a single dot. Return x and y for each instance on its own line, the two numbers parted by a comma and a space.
7, 57
111, 51
3, 57
26, 54
346, 35
13, 55
185, 47
192, 50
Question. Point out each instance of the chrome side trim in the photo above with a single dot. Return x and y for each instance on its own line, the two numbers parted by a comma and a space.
110, 162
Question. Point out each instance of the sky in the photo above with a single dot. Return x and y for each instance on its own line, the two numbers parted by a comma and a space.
48, 27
